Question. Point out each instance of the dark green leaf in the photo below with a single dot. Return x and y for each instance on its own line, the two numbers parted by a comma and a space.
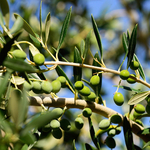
18, 24
87, 45
41, 20
77, 71
132, 45
137, 147
26, 26
5, 10
140, 69
92, 133
73, 145
60, 72
128, 134
138, 97
36, 42
89, 147
2, 20
47, 27
19, 65
41, 75
64, 29
97, 35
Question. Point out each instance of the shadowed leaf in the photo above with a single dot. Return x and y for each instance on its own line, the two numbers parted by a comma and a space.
47, 27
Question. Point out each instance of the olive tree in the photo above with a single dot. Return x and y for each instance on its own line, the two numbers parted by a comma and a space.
25, 82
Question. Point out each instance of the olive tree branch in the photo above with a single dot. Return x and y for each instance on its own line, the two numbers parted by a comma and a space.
81, 104
105, 70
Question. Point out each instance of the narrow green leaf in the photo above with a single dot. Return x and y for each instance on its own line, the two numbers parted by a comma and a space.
41, 20
73, 145
138, 97
41, 75
26, 26
64, 29
19, 65
5, 10
87, 45
132, 45
146, 131
3, 83
140, 69
82, 48
2, 20
60, 72
47, 27
18, 24
35, 41
89, 147
92, 133
128, 134
97, 35
25, 147
77, 71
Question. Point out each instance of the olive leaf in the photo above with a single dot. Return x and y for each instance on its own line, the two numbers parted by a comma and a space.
40, 16
24, 147
73, 145
82, 48
26, 26
47, 27
97, 35
132, 45
64, 29
77, 71
138, 97
5, 10
89, 147
145, 145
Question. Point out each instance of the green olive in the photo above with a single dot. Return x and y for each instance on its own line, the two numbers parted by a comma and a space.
58, 112
46, 87
124, 74
104, 124
65, 124
85, 91
56, 86
19, 54
135, 114
111, 132
57, 133
79, 122
62, 80
87, 112
78, 85
28, 86
118, 99
95, 80
118, 130
139, 122
139, 108
54, 124
116, 119
110, 142
39, 59
130, 80
134, 65
92, 96
36, 87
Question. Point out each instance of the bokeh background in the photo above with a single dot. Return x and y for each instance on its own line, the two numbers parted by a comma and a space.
113, 18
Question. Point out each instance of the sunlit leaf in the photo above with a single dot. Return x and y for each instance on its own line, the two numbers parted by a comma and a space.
2, 20
82, 48
5, 10
146, 131
47, 27
132, 45
138, 97
97, 35
74, 147
64, 29
25, 147
77, 71
41, 20
17, 80
26, 26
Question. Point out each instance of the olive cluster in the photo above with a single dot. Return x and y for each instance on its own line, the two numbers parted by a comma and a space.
85, 90
46, 86
105, 126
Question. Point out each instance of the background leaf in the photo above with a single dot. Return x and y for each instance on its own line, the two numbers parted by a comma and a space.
47, 27
41, 20
5, 10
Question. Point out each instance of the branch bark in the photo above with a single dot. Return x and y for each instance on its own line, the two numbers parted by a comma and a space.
81, 104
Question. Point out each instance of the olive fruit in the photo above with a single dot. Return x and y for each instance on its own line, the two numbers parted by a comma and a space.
139, 122
78, 85
87, 112
118, 99
95, 80
104, 124
130, 80
124, 74
139, 108
92, 96
111, 132
148, 109
62, 80
65, 124
135, 114
36, 87
148, 100
54, 124
39, 59
85, 91
79, 122
56, 86
57, 133
58, 112
134, 65
28, 86
116, 119
46, 87
110, 142
46, 128
19, 54
118, 130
